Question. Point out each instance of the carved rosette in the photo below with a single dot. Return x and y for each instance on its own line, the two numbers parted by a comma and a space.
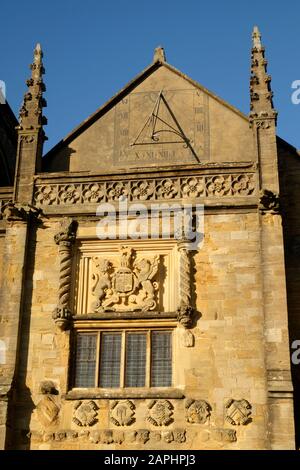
238, 412
185, 310
65, 238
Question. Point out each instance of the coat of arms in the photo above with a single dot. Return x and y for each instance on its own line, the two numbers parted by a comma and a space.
129, 287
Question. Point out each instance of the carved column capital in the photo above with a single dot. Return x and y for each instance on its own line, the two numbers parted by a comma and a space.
67, 233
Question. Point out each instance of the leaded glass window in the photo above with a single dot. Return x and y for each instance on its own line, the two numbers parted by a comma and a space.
118, 359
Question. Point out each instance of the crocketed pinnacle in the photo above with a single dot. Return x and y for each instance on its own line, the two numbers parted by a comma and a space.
261, 96
31, 112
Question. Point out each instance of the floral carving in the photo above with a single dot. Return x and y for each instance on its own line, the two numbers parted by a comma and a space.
122, 413
69, 194
238, 412
117, 190
160, 412
85, 413
197, 411
243, 185
46, 195
193, 187
219, 186
93, 193
142, 190
167, 189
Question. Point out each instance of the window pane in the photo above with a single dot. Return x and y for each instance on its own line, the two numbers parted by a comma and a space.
135, 369
161, 359
85, 360
110, 360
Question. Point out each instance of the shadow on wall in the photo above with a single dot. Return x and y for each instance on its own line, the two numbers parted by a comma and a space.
57, 160
289, 176
21, 405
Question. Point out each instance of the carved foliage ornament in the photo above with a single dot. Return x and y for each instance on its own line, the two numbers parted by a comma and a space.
238, 412
129, 287
85, 413
122, 413
160, 412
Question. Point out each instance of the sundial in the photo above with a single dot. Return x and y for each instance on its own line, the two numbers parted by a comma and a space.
162, 127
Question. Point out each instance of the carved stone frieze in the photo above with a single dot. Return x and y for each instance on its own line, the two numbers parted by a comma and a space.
122, 413
85, 413
197, 411
128, 287
160, 412
238, 412
137, 436
235, 185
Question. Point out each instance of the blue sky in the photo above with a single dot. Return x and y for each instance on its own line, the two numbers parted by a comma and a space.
92, 48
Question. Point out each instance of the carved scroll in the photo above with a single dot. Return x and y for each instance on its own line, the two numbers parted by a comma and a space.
64, 239
185, 309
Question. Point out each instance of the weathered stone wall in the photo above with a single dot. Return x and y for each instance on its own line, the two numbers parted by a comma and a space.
226, 363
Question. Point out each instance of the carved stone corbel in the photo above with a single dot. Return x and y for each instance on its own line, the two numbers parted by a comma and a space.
185, 310
13, 212
269, 202
65, 238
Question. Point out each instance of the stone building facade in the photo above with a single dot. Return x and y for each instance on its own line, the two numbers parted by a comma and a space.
153, 342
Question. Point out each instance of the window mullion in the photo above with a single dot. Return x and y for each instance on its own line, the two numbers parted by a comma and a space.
148, 359
98, 359
123, 353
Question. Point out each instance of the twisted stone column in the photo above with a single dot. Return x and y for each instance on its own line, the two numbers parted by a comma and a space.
64, 239
185, 309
